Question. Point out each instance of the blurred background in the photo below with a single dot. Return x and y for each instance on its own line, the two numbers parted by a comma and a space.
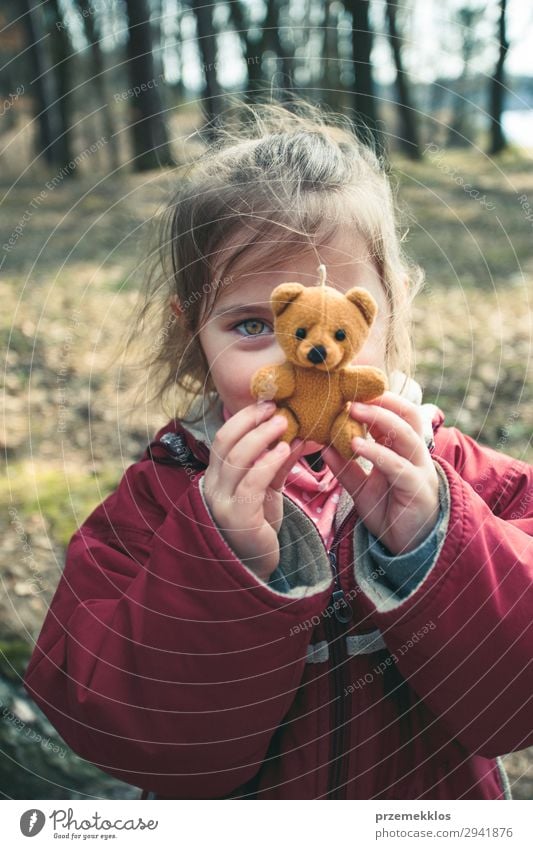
100, 102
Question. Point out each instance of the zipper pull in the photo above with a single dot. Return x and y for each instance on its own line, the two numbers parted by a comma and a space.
342, 608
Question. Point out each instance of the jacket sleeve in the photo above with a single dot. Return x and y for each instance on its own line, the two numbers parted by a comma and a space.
164, 660
463, 636
405, 571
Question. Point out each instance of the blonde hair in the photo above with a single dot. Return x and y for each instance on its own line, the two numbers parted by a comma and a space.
280, 179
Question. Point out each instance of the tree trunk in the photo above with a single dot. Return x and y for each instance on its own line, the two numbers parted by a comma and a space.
148, 128
409, 131
207, 44
287, 61
461, 130
156, 8
272, 41
60, 50
497, 88
178, 87
364, 99
41, 90
331, 56
251, 49
88, 12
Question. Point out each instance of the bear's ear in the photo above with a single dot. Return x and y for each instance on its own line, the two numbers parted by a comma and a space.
283, 295
364, 301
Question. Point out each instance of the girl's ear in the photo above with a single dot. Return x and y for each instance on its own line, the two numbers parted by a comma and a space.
175, 306
283, 295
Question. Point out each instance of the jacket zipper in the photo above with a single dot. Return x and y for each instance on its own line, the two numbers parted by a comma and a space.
343, 613
336, 788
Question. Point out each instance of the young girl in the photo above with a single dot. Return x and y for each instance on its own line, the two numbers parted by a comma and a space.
242, 618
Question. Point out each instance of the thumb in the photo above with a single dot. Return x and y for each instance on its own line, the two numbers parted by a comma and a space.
297, 448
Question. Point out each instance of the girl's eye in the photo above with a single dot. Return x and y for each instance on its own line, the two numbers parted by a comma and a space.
253, 327
340, 335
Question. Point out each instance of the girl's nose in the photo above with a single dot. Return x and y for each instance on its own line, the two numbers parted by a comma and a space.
317, 354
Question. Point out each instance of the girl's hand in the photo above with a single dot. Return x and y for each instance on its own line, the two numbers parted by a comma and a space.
243, 483
398, 500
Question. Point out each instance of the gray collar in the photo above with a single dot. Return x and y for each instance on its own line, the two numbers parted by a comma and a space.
207, 422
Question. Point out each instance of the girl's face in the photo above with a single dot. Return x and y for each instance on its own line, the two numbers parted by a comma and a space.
238, 337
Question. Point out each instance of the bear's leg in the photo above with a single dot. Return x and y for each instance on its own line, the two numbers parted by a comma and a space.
293, 425
343, 430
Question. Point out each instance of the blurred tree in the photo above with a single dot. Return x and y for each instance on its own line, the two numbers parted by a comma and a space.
12, 61
156, 23
182, 35
92, 27
364, 95
148, 128
461, 130
497, 86
271, 41
258, 40
331, 81
409, 140
251, 42
39, 86
61, 60
207, 45
174, 44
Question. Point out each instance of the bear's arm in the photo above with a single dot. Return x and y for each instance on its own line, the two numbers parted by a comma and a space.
272, 383
362, 383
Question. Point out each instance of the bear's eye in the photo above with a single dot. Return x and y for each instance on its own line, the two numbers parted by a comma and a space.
301, 333
340, 335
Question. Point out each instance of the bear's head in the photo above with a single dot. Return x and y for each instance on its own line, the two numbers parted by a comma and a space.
319, 327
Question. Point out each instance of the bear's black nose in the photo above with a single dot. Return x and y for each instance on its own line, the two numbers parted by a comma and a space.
317, 354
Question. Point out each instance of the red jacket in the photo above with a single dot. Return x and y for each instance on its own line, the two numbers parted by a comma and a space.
167, 663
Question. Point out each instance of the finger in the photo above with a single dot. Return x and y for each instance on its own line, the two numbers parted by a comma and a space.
236, 427
248, 450
257, 480
396, 470
403, 408
350, 474
392, 431
298, 446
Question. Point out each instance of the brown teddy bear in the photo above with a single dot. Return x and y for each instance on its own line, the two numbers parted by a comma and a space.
320, 330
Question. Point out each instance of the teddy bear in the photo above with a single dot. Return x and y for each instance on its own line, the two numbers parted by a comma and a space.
320, 330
